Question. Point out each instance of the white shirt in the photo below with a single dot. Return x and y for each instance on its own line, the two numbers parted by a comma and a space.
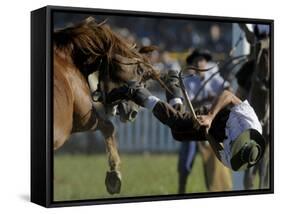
241, 118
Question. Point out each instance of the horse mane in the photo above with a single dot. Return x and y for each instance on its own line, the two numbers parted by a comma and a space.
92, 40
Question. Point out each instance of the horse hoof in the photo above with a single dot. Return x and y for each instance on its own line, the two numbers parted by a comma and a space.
113, 182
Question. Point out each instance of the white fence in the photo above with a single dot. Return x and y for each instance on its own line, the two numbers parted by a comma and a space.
145, 134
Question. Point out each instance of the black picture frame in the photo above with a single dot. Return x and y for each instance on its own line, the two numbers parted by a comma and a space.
42, 102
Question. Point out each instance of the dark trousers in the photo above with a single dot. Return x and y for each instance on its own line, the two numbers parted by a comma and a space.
182, 124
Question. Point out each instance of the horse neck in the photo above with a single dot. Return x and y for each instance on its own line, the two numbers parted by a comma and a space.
79, 89
72, 74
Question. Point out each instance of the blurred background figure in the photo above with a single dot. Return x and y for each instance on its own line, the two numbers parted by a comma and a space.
170, 63
203, 88
216, 42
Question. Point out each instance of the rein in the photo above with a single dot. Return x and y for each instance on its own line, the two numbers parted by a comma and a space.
157, 78
241, 58
151, 72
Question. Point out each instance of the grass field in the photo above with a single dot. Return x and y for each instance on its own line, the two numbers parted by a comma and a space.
78, 177
82, 177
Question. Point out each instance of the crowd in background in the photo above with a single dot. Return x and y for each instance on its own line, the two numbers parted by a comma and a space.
168, 34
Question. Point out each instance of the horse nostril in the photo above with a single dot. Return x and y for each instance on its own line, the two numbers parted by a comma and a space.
133, 115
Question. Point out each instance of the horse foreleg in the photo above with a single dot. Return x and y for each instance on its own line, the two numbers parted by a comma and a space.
113, 177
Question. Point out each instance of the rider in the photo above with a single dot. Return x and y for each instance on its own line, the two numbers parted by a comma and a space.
229, 121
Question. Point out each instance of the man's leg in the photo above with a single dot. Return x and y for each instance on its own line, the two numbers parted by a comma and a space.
187, 155
182, 125
174, 96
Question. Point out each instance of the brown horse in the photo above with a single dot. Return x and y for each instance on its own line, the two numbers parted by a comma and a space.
78, 51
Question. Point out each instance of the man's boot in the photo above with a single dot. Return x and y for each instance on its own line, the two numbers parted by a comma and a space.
138, 94
174, 98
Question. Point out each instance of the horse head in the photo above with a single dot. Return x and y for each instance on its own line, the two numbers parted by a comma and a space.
123, 70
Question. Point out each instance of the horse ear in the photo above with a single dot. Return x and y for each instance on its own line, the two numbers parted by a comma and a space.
89, 20
148, 49
133, 46
102, 23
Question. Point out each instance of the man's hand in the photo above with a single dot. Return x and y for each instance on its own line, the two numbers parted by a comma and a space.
196, 123
205, 120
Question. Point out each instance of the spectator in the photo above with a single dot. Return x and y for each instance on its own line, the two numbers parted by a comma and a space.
200, 96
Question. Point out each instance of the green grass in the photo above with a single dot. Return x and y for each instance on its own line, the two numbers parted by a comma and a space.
78, 177
82, 177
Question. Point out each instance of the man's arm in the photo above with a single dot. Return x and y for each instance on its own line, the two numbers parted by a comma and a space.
226, 98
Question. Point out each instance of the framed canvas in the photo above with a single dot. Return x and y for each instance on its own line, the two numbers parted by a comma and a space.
142, 106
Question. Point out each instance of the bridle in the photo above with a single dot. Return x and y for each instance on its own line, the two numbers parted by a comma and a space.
103, 67
151, 72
